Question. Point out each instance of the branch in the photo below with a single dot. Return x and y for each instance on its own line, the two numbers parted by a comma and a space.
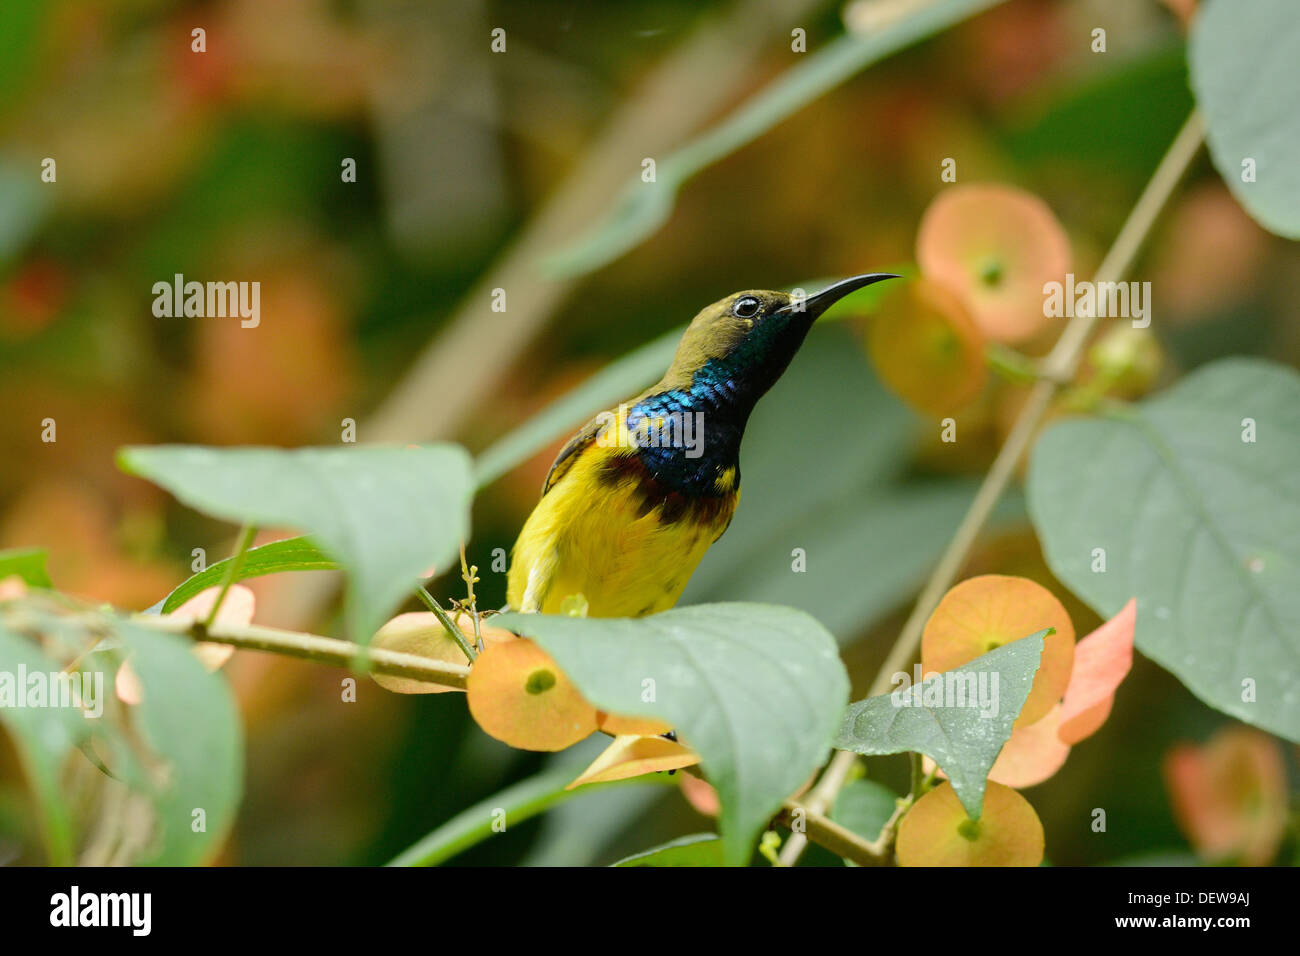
313, 647
1059, 367
840, 840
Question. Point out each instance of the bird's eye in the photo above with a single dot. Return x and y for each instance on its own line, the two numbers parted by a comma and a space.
746, 307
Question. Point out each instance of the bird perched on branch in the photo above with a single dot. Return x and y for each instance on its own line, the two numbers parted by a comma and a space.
638, 495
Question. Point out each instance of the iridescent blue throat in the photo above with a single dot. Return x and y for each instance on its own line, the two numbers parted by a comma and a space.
688, 437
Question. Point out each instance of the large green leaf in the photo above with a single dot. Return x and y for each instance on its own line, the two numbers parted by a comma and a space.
961, 721
288, 554
179, 748
44, 737
1243, 59
28, 564
696, 849
1201, 525
756, 690
187, 718
387, 514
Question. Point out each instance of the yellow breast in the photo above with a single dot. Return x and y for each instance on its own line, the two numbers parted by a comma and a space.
606, 532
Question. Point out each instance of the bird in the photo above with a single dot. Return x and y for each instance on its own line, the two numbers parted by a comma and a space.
637, 496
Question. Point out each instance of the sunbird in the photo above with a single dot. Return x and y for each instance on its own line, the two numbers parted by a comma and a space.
636, 497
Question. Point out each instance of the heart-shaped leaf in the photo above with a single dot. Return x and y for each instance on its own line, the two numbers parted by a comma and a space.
188, 720
960, 718
387, 513
1242, 58
1190, 502
43, 738
756, 690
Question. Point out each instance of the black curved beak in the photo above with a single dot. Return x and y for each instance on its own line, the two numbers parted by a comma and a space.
819, 302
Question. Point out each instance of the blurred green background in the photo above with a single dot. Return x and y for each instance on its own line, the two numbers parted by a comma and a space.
471, 167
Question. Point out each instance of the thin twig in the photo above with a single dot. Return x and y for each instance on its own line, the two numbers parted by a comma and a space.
313, 647
1059, 367
448, 624
825, 832
470, 576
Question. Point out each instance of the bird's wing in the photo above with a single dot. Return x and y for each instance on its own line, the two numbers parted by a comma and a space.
569, 453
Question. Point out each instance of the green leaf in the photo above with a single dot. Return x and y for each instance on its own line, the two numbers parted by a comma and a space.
644, 207
1243, 68
864, 806
756, 690
1202, 526
180, 747
28, 564
580, 832
696, 849
518, 802
188, 720
289, 554
44, 737
386, 513
963, 731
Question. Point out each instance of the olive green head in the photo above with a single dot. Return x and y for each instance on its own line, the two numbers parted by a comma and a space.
754, 334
